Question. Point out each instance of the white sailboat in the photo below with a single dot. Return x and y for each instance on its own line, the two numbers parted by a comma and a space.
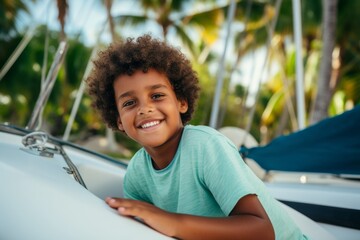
315, 171
53, 189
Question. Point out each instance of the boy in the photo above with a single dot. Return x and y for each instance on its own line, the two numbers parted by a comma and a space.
187, 182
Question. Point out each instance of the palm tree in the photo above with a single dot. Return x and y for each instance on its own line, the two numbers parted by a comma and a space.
170, 15
62, 6
342, 77
255, 35
9, 12
108, 6
348, 51
338, 72
339, 52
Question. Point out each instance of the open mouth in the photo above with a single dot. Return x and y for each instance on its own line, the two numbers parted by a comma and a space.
150, 124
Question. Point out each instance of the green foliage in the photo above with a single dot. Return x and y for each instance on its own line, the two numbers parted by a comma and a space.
203, 110
22, 83
198, 31
9, 12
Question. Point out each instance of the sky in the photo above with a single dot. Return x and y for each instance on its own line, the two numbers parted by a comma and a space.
88, 17
84, 16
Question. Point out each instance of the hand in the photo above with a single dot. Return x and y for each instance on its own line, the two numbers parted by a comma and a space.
153, 216
248, 220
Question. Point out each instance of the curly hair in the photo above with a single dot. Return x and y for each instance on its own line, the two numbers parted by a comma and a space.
144, 53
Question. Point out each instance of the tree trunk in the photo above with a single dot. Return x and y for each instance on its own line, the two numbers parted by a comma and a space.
324, 91
62, 8
108, 5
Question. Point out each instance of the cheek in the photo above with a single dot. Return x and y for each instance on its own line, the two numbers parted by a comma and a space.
125, 117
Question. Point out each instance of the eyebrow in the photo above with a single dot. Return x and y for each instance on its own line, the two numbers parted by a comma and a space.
152, 87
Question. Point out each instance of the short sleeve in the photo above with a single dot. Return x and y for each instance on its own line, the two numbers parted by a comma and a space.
132, 185
129, 190
225, 173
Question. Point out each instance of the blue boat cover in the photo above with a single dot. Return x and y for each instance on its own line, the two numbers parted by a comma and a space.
330, 146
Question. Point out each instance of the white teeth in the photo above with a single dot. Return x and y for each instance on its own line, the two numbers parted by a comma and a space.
150, 124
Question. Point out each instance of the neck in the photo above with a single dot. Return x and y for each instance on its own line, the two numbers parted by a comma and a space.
163, 155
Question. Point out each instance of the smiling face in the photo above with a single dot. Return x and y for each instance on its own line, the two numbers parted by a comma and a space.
148, 108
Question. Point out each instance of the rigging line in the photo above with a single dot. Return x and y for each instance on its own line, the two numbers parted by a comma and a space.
220, 77
81, 89
268, 45
246, 20
80, 92
243, 103
252, 72
237, 61
86, 17
288, 101
18, 50
78, 97
45, 60
49, 83
246, 94
45, 57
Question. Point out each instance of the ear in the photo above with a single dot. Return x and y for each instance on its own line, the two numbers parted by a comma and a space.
183, 106
120, 125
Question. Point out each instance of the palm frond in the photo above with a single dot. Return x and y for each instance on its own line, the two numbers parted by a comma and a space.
133, 20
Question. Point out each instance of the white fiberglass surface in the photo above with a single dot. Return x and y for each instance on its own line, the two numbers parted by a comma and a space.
322, 194
101, 177
342, 232
40, 200
308, 226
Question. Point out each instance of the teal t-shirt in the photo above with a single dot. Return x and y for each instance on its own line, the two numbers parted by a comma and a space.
206, 177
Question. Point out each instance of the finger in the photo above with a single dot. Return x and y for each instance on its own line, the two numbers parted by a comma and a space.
123, 211
130, 211
136, 208
113, 202
126, 212
119, 202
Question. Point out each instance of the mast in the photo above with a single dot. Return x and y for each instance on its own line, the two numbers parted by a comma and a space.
300, 98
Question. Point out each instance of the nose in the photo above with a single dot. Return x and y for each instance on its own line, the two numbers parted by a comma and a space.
145, 108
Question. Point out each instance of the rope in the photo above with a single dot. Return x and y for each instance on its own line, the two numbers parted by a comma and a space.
18, 50
268, 45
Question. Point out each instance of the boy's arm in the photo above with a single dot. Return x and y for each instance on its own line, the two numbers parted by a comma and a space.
248, 220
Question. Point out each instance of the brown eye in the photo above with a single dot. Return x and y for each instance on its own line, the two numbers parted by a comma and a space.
128, 103
157, 96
